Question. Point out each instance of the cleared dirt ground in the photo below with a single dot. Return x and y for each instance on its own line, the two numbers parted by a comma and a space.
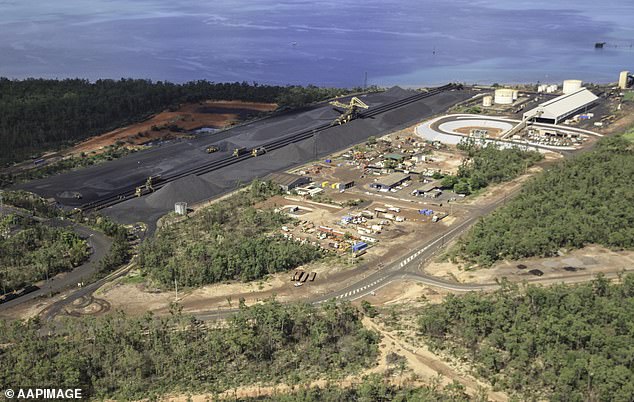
589, 260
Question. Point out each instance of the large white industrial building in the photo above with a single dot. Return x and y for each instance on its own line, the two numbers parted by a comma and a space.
562, 107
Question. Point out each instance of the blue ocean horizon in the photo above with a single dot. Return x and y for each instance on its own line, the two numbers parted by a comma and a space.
325, 43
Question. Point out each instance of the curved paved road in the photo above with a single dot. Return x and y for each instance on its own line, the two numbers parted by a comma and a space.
54, 309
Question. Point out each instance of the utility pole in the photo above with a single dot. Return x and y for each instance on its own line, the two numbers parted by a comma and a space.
365, 81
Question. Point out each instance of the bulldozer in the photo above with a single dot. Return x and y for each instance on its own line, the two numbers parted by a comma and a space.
350, 110
258, 151
237, 152
147, 187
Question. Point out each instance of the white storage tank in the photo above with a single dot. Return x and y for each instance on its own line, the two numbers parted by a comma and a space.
180, 208
551, 88
487, 101
542, 88
571, 86
504, 96
516, 93
623, 78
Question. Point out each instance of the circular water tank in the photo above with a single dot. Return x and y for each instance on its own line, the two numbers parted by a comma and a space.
516, 93
504, 96
487, 101
571, 86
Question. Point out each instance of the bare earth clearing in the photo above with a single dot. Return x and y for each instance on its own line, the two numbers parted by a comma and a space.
590, 260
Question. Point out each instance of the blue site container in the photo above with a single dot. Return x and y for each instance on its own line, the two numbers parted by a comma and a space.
328, 160
359, 246
422, 211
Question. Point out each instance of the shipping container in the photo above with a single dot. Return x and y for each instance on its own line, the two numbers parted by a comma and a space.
359, 246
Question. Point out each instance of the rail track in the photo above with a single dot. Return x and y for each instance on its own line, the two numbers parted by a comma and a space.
129, 191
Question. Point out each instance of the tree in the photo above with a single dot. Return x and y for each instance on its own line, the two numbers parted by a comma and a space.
580, 201
462, 187
571, 339
449, 181
369, 309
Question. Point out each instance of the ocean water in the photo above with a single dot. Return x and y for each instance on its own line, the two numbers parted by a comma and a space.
321, 42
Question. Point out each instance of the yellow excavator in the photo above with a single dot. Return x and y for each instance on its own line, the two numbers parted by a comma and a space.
147, 188
350, 110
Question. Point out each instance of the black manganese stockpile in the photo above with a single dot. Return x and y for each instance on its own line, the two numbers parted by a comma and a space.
185, 171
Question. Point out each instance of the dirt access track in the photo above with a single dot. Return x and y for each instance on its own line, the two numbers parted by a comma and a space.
423, 367
171, 124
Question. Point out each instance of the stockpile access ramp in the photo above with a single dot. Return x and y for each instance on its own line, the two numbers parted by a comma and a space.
188, 173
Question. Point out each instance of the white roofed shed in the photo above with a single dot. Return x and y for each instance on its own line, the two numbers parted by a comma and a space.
560, 108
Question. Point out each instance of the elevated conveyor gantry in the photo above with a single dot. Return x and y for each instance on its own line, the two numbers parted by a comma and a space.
350, 110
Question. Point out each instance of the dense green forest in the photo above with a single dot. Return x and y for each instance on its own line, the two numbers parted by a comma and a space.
372, 389
131, 358
41, 114
562, 343
587, 199
228, 240
488, 165
31, 251
25, 244
33, 203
